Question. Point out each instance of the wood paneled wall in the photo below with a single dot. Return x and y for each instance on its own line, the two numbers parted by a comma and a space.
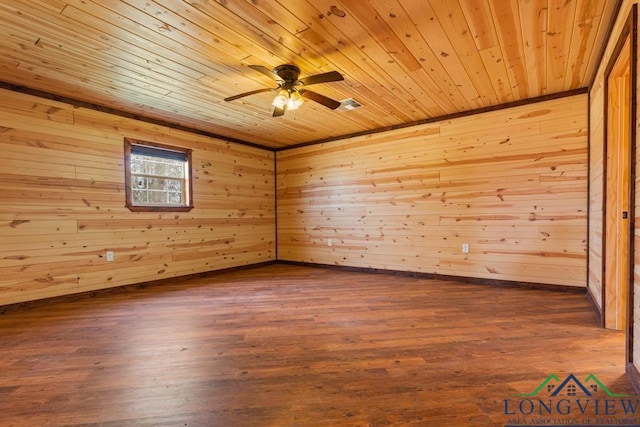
597, 132
597, 162
62, 204
511, 183
596, 194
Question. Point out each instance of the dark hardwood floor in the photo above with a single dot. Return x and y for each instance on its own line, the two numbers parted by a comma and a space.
283, 345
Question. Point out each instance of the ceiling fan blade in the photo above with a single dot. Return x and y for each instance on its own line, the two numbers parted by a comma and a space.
267, 72
277, 112
320, 99
253, 92
331, 76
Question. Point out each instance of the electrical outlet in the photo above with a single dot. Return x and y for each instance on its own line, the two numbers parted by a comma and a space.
109, 256
465, 248
329, 242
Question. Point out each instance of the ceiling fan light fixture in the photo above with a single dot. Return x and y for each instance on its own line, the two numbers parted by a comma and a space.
281, 99
290, 92
295, 100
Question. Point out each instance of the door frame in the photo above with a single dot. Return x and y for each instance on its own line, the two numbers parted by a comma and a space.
629, 31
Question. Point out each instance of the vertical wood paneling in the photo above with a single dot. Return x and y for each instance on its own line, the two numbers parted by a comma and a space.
560, 31
62, 205
534, 14
597, 162
596, 195
507, 17
511, 183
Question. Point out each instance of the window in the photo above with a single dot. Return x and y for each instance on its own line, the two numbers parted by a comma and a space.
158, 177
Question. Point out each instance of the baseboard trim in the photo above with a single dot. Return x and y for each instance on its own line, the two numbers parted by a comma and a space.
596, 308
26, 305
472, 280
9, 308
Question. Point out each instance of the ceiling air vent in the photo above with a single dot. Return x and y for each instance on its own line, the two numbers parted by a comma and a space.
349, 104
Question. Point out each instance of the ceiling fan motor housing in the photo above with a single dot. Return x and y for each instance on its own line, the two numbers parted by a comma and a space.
289, 73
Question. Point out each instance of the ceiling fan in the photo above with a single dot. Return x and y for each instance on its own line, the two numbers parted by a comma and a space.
291, 89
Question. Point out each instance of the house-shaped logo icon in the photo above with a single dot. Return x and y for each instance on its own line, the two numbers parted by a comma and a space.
571, 386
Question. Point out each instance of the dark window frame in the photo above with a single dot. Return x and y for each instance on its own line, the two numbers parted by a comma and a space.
161, 151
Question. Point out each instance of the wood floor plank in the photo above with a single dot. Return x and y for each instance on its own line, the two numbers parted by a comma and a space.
284, 345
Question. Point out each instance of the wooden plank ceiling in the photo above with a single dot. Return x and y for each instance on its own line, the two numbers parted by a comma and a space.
403, 60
